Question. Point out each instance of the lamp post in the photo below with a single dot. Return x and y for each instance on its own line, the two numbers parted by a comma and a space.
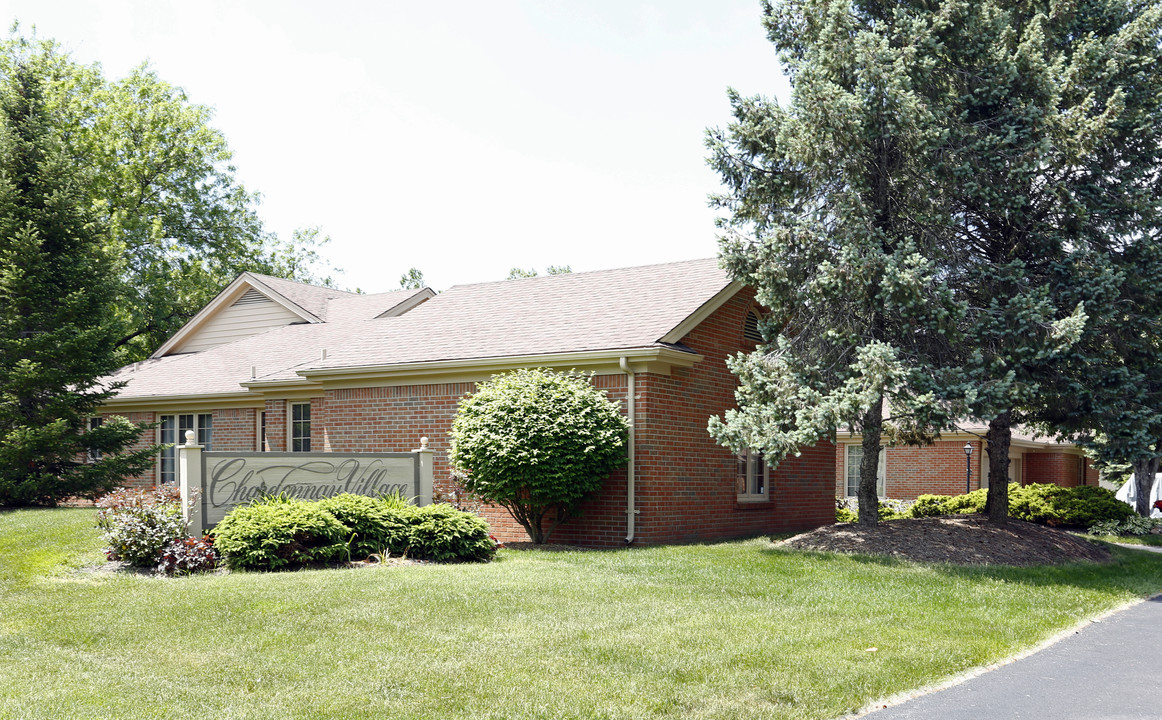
967, 468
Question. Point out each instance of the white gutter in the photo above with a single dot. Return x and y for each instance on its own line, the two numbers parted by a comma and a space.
630, 511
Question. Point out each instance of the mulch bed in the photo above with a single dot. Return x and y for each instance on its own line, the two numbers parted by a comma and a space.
955, 539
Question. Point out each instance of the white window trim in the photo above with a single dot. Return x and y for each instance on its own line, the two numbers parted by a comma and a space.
748, 496
881, 472
290, 425
179, 439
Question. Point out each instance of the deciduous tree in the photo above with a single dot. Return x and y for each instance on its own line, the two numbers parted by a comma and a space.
169, 201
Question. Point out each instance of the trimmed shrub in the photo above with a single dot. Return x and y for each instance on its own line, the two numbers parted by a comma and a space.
374, 525
280, 531
843, 515
443, 533
934, 505
928, 506
188, 556
1046, 504
1080, 506
537, 443
138, 524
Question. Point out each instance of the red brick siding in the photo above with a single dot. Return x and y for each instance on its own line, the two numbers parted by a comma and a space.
275, 425
912, 471
686, 482
234, 430
1055, 467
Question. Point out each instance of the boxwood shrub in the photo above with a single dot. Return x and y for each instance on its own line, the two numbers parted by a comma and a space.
280, 532
375, 526
443, 533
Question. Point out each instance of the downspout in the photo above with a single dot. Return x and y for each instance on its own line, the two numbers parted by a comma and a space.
630, 510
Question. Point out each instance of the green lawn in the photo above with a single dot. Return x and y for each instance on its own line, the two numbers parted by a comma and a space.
732, 630
1152, 540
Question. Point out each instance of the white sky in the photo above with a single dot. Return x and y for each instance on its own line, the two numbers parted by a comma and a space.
462, 138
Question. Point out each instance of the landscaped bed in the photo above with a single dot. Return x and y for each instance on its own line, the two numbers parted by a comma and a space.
731, 630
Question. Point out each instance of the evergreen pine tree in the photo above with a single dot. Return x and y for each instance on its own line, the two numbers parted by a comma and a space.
829, 221
56, 295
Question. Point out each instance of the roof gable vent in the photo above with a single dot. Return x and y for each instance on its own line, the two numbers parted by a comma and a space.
252, 297
750, 330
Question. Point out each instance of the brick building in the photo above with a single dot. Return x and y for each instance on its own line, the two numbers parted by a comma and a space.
272, 365
944, 468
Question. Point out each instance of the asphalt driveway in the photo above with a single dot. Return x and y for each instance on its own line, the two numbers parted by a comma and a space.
1111, 669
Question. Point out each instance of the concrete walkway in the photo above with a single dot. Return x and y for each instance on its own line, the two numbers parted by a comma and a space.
1109, 670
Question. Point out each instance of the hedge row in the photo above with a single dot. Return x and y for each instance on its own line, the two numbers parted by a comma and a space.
1042, 503
281, 531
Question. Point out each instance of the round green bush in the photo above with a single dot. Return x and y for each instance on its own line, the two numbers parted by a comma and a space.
537, 442
280, 531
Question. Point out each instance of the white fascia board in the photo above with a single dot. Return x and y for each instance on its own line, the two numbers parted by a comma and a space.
224, 299
423, 295
278, 298
704, 311
154, 403
604, 359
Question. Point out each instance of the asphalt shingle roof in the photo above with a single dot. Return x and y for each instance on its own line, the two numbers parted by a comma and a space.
603, 310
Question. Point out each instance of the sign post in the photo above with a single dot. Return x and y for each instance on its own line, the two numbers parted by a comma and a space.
190, 482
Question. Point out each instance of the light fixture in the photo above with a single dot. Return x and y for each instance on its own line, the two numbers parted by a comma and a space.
967, 468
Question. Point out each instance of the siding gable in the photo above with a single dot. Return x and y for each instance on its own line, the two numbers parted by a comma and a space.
249, 315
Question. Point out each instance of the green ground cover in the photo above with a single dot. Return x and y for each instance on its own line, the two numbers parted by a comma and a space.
731, 630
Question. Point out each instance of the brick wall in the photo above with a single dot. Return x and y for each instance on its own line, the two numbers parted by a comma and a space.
939, 469
234, 430
275, 425
912, 471
686, 488
1057, 467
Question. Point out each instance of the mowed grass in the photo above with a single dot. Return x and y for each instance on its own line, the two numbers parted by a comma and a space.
731, 630
1151, 540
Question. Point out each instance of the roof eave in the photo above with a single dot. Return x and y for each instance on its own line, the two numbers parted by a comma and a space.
653, 359
704, 311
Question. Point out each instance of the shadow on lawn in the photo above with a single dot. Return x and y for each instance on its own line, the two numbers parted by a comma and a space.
1135, 570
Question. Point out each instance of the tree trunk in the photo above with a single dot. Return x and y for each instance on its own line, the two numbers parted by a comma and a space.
869, 497
1144, 471
1000, 435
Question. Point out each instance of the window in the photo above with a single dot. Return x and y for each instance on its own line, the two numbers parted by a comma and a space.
752, 476
301, 427
95, 455
173, 433
854, 458
261, 431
